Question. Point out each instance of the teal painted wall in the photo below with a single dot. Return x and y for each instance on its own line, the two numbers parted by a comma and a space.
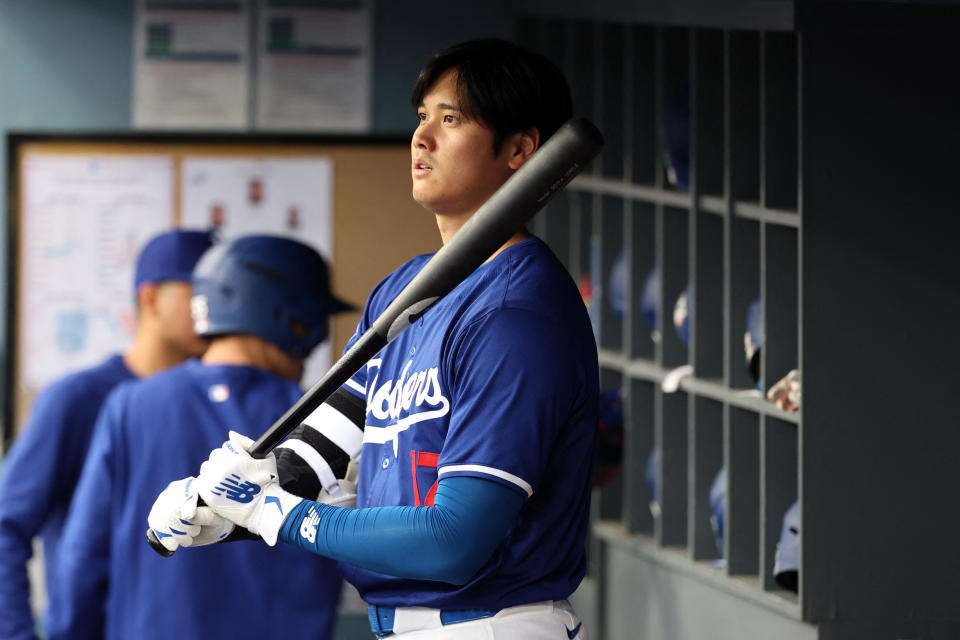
64, 66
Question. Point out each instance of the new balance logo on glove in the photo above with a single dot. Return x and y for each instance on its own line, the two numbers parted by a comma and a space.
308, 530
236, 489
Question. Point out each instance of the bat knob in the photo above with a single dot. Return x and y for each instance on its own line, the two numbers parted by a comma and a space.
156, 545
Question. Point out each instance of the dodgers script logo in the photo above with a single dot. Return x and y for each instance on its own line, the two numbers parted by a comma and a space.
413, 397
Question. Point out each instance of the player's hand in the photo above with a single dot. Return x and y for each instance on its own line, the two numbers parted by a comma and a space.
177, 521
245, 490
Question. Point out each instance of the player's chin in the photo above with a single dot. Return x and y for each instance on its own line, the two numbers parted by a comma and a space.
427, 198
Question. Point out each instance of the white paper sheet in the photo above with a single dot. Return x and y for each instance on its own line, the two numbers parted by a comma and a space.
191, 64
314, 65
85, 219
290, 197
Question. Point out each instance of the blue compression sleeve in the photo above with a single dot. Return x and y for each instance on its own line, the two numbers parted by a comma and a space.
447, 542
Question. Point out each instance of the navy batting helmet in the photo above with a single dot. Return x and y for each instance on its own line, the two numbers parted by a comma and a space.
617, 285
681, 316
608, 449
650, 477
753, 339
786, 563
676, 138
718, 506
650, 301
272, 287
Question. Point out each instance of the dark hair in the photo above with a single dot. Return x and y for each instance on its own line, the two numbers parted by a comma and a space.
502, 85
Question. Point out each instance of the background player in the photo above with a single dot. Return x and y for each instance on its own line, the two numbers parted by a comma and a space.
44, 463
264, 302
477, 423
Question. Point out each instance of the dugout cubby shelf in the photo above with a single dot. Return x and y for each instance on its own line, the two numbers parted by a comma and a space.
729, 236
822, 161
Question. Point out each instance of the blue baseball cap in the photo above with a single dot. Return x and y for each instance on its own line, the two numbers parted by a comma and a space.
171, 256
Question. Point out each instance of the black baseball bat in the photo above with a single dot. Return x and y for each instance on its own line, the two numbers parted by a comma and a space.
505, 213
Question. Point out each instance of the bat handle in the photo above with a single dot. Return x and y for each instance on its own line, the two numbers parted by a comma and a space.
238, 533
156, 545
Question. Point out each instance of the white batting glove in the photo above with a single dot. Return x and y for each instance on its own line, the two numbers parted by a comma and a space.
245, 490
178, 522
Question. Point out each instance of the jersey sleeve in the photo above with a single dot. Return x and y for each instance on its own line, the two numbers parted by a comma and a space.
318, 452
448, 541
514, 379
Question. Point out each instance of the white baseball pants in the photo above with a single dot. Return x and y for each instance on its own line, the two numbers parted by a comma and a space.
550, 620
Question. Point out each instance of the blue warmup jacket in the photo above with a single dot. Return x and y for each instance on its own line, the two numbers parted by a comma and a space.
113, 585
39, 476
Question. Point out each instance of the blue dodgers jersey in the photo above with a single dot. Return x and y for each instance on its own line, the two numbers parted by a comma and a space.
498, 380
150, 433
39, 475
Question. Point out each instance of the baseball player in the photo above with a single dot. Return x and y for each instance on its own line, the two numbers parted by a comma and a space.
475, 427
42, 468
264, 302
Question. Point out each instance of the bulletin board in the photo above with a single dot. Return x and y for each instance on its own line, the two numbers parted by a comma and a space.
81, 207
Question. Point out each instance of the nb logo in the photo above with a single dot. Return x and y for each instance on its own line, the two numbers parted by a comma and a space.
236, 489
308, 530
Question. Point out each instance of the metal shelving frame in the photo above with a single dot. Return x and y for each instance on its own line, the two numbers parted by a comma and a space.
733, 235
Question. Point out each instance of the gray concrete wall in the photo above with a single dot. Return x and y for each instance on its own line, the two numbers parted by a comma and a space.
645, 598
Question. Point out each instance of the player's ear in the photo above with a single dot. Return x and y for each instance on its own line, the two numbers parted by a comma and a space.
522, 146
147, 298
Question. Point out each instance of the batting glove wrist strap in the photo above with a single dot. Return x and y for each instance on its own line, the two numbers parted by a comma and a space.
244, 489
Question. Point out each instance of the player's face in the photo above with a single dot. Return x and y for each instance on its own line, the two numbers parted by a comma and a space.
173, 310
454, 167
